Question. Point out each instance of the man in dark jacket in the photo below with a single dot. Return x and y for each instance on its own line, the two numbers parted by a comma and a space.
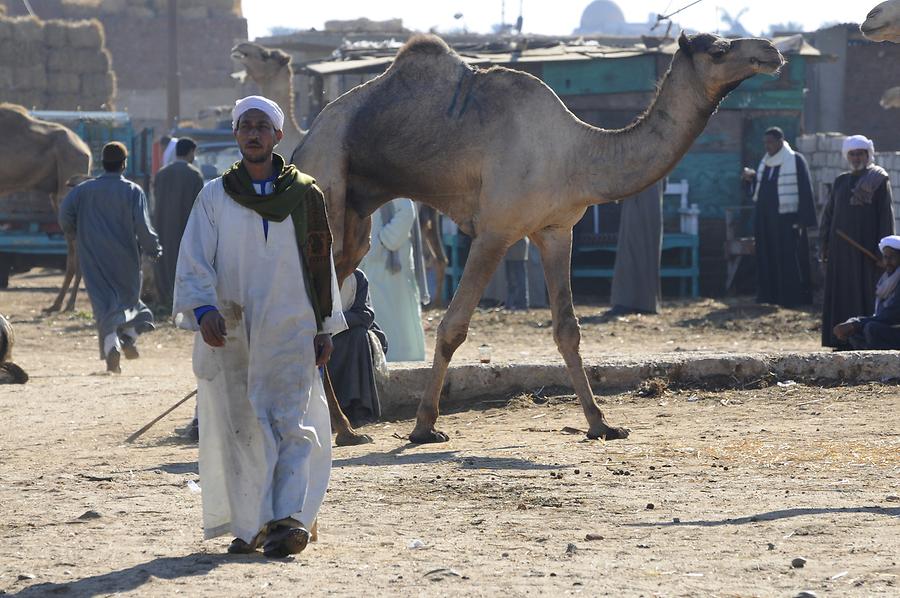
174, 189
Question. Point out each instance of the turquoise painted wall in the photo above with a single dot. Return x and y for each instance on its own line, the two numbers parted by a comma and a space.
714, 179
616, 75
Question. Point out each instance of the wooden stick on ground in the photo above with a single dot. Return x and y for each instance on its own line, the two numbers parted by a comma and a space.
856, 245
137, 434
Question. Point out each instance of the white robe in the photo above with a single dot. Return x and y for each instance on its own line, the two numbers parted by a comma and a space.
395, 295
265, 433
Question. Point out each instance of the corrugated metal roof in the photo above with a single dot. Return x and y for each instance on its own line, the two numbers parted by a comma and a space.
562, 52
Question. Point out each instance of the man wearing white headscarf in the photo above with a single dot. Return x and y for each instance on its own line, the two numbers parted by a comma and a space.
861, 208
255, 279
882, 329
782, 192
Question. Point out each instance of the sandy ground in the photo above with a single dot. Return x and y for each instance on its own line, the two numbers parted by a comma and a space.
714, 494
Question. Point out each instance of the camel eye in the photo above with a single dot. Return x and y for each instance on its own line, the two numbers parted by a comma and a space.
717, 53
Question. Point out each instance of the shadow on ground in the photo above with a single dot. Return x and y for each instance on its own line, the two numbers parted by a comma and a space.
775, 515
132, 578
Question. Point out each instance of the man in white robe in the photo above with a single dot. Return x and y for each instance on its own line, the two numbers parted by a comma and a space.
263, 296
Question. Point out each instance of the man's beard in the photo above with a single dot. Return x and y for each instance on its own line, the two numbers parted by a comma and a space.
257, 159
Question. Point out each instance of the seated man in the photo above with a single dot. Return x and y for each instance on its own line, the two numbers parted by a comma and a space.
352, 364
882, 330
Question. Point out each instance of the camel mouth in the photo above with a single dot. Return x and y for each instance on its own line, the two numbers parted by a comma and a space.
871, 29
768, 66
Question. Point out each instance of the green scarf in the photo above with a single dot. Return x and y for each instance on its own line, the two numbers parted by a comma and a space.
296, 195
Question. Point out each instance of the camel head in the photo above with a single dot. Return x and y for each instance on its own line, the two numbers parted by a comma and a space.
721, 64
261, 64
883, 22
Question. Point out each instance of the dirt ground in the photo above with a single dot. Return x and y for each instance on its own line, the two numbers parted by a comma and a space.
714, 494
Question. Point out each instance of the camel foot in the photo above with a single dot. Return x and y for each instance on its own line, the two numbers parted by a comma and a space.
351, 438
69, 308
607, 432
52, 308
428, 436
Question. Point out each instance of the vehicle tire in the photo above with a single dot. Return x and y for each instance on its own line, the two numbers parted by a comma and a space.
5, 268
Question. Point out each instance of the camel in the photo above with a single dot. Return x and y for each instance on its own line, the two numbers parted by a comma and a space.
890, 98
270, 69
882, 24
433, 248
10, 373
498, 152
36, 155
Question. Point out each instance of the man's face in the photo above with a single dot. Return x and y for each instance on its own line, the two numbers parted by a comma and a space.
891, 259
773, 144
858, 158
256, 136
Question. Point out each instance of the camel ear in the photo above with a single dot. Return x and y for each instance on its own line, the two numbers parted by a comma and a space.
685, 44
283, 58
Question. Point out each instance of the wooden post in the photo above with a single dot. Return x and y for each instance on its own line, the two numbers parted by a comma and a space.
173, 84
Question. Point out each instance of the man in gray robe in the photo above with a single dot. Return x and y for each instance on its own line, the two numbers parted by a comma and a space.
635, 285
174, 189
108, 216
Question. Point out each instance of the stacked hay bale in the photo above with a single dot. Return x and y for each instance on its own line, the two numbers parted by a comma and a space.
148, 9
55, 65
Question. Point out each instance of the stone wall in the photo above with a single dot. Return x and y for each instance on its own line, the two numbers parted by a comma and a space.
823, 153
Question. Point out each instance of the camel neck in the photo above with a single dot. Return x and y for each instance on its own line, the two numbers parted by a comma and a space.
623, 162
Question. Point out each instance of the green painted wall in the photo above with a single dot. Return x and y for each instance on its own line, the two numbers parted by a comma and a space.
714, 179
764, 92
601, 76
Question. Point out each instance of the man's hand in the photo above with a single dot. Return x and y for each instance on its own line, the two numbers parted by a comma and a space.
748, 174
324, 347
212, 328
843, 331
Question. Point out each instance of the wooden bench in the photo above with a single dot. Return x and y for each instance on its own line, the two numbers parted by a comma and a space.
687, 269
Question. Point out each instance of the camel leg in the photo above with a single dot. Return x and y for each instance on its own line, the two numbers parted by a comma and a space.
71, 267
70, 306
440, 272
556, 254
484, 256
346, 435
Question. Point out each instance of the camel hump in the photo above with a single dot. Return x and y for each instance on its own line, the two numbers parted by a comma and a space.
423, 44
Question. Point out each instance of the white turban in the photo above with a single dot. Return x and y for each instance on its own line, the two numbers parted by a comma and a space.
892, 241
859, 142
266, 105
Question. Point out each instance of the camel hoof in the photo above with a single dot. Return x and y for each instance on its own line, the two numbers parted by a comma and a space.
352, 439
51, 309
428, 437
609, 433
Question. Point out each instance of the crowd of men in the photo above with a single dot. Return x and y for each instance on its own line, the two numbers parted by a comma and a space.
856, 238
245, 261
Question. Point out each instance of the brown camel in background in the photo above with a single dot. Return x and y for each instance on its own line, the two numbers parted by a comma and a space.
882, 24
498, 152
270, 69
36, 155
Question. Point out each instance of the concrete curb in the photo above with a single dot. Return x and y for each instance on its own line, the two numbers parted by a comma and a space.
466, 382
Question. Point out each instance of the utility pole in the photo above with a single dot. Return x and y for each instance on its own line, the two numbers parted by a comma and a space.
173, 83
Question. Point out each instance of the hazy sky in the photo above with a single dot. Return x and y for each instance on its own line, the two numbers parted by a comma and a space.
543, 16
